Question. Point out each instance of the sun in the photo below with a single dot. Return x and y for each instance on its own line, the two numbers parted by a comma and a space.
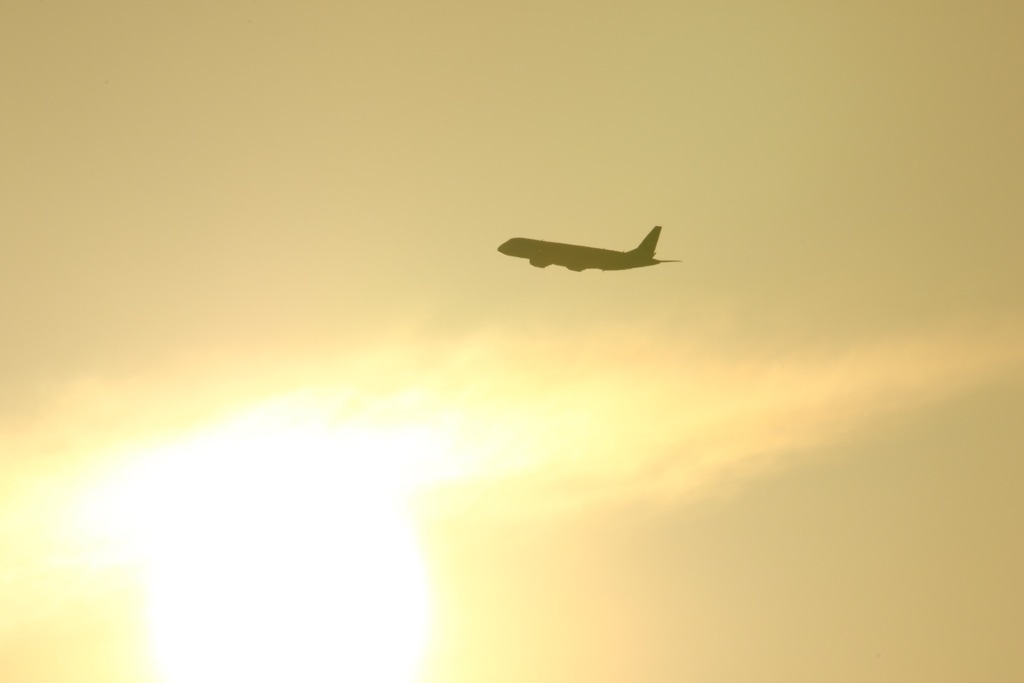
276, 549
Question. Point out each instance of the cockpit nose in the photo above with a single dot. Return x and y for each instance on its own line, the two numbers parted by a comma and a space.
504, 248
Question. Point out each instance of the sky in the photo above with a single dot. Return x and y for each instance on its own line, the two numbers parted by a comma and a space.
273, 407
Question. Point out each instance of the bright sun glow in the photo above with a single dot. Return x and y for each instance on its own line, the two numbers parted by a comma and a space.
276, 550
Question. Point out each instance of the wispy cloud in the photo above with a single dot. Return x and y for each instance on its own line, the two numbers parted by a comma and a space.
560, 418
566, 420
496, 422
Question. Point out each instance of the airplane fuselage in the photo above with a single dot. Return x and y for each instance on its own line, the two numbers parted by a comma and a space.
576, 257
572, 256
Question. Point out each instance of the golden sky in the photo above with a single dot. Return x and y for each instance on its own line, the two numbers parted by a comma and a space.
272, 406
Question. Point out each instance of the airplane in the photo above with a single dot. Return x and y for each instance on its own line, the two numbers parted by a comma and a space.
578, 258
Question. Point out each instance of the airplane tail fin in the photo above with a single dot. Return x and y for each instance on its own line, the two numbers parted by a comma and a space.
647, 247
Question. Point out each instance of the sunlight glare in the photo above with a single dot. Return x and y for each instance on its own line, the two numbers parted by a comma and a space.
276, 549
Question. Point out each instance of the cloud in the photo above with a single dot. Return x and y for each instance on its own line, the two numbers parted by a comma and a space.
498, 423
660, 417
529, 419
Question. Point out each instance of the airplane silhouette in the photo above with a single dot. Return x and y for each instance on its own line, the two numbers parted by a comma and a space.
575, 257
